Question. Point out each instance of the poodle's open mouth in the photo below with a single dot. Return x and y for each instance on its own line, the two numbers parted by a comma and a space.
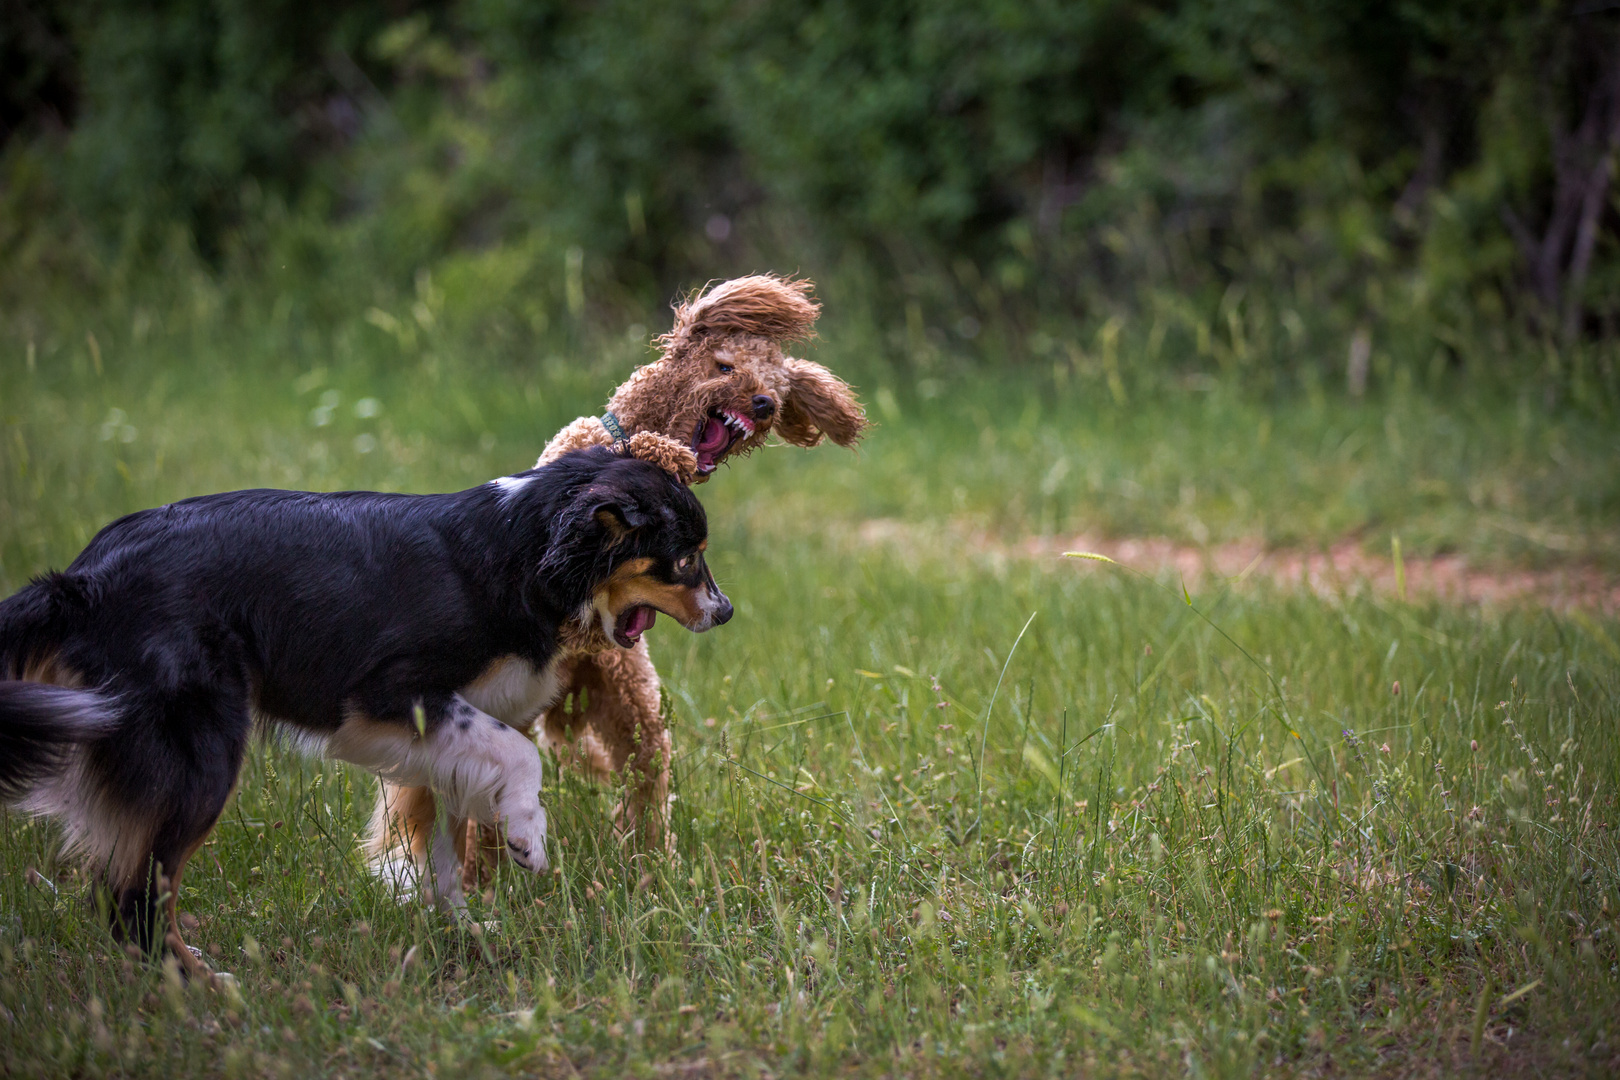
632, 623
716, 435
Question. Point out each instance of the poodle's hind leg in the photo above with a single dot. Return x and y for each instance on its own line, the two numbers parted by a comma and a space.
565, 727
483, 849
621, 729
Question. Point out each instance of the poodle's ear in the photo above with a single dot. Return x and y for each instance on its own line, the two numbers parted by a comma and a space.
818, 403
666, 453
777, 308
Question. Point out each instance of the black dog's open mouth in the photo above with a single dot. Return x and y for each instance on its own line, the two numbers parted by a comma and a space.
715, 436
632, 623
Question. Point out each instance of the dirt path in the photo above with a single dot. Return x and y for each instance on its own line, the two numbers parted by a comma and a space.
1345, 568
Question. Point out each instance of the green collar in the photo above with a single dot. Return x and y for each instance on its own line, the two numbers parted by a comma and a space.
611, 422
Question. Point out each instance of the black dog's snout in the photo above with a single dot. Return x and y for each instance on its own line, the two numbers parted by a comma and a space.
763, 406
722, 614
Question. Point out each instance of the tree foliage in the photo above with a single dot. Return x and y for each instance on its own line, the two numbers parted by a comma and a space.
1458, 153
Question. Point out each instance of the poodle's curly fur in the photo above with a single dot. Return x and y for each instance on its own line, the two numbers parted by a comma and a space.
741, 325
720, 364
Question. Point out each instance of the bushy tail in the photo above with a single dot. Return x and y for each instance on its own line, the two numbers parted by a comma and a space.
39, 726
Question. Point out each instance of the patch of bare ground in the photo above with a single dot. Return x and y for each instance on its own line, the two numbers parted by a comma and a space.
1344, 568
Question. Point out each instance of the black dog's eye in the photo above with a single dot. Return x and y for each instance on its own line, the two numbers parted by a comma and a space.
684, 564
725, 369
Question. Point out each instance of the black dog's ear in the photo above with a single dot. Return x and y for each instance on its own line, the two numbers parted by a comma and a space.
596, 522
620, 517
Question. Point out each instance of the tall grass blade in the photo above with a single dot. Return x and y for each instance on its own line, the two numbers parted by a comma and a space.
984, 729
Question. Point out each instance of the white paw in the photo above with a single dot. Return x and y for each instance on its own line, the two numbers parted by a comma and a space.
526, 838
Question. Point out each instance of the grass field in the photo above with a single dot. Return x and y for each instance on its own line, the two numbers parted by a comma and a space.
940, 811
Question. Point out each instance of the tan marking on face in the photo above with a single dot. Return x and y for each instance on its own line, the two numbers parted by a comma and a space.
626, 570
630, 585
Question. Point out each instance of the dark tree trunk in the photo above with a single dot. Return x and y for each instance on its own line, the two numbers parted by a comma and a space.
1557, 260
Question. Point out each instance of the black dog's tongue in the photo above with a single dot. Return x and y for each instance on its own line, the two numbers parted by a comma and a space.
633, 623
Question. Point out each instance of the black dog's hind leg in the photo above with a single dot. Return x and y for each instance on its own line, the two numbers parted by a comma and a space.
186, 748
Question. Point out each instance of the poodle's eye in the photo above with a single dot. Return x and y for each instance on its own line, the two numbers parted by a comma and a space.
725, 369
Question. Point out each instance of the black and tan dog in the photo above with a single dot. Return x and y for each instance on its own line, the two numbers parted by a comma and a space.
402, 633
